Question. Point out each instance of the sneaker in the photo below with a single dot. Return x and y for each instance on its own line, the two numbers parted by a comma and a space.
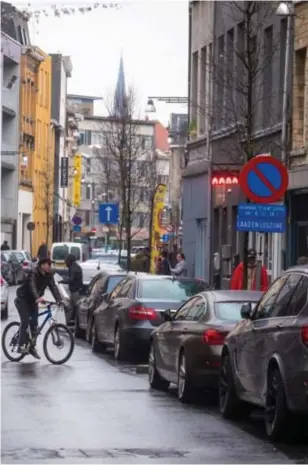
23, 350
34, 353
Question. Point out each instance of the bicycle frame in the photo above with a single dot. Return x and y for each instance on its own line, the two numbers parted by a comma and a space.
49, 316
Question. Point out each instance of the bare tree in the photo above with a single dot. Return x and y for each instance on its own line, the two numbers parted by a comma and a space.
127, 167
48, 197
243, 97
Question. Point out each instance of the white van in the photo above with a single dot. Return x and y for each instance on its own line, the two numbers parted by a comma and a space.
60, 250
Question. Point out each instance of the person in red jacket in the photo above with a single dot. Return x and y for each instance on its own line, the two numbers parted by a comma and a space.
237, 280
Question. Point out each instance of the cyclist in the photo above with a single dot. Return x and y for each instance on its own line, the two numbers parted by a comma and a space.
29, 295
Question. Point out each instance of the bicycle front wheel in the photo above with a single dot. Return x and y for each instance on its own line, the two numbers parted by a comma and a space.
58, 338
10, 339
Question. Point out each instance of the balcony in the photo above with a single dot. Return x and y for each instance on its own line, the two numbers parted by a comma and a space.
9, 102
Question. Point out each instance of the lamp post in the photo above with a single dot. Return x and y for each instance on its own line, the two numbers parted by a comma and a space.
284, 9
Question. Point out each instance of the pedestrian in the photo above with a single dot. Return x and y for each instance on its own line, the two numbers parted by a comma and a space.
302, 261
164, 267
42, 251
74, 280
28, 296
141, 262
180, 268
5, 246
173, 255
237, 280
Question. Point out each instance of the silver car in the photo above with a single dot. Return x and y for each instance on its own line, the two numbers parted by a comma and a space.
24, 259
4, 298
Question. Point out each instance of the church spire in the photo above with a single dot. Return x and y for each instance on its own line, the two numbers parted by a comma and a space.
120, 92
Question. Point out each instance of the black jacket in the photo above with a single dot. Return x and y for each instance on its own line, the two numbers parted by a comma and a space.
74, 279
5, 247
35, 286
42, 251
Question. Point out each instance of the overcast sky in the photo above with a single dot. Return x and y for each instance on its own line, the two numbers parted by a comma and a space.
151, 35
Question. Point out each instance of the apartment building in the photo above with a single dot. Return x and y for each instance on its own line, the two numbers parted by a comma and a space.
298, 160
10, 64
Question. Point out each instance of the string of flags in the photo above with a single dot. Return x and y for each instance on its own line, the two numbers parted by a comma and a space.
60, 10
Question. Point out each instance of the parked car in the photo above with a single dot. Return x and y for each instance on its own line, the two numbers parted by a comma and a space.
92, 267
102, 284
4, 298
11, 268
127, 317
26, 261
265, 358
186, 350
60, 250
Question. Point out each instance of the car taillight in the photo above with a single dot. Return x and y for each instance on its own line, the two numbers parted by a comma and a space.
25, 264
213, 337
1, 281
305, 335
142, 313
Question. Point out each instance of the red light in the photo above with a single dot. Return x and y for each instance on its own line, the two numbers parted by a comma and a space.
223, 180
142, 313
1, 281
94, 230
25, 263
213, 337
305, 335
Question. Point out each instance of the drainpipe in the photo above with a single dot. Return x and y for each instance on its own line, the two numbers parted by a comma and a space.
186, 157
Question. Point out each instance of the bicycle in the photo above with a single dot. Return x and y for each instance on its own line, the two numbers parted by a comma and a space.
55, 331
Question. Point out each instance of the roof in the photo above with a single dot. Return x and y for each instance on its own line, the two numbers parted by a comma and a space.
82, 97
299, 268
227, 296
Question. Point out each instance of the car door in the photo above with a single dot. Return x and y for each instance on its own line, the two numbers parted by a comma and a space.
85, 302
267, 332
183, 326
106, 311
119, 311
243, 341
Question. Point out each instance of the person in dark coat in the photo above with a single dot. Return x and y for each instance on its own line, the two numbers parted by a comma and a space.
42, 251
5, 246
74, 280
28, 296
173, 256
164, 267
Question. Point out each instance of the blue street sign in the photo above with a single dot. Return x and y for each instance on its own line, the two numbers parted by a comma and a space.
108, 213
76, 220
261, 218
165, 237
77, 228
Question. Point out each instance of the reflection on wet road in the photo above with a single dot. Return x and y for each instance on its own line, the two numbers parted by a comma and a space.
93, 410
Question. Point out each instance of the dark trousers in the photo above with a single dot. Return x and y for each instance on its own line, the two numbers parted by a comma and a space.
28, 313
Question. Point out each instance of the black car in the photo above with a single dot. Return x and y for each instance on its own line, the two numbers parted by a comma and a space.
127, 317
11, 268
265, 358
101, 284
186, 350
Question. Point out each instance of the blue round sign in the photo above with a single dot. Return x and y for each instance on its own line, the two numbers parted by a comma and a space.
76, 220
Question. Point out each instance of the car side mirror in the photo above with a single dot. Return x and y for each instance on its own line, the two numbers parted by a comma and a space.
246, 311
167, 315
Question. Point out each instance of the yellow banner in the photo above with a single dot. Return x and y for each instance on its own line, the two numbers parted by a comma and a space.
157, 229
77, 166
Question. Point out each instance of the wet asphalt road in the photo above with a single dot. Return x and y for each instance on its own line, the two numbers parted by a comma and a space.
93, 410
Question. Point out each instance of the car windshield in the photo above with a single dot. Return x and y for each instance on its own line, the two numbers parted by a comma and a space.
19, 255
113, 281
230, 311
169, 289
60, 252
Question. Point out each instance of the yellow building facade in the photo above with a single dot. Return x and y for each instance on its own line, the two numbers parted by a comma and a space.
36, 164
43, 166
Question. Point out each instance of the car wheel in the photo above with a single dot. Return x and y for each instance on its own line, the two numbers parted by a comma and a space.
78, 332
185, 391
276, 417
155, 380
120, 353
229, 403
95, 344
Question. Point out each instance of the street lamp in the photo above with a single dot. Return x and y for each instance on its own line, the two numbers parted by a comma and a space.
284, 9
150, 106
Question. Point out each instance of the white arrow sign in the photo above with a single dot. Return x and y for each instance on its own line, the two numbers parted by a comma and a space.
108, 211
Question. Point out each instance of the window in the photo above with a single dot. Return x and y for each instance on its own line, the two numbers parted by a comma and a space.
282, 51
230, 76
230, 311
267, 76
125, 290
299, 301
269, 298
194, 88
81, 138
118, 289
112, 282
193, 310
169, 289
98, 286
60, 252
88, 137
20, 36
76, 252
285, 295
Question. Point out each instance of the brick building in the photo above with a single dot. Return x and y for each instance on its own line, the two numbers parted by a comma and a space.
298, 183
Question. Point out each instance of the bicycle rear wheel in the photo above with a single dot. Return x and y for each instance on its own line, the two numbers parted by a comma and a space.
9, 341
58, 335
